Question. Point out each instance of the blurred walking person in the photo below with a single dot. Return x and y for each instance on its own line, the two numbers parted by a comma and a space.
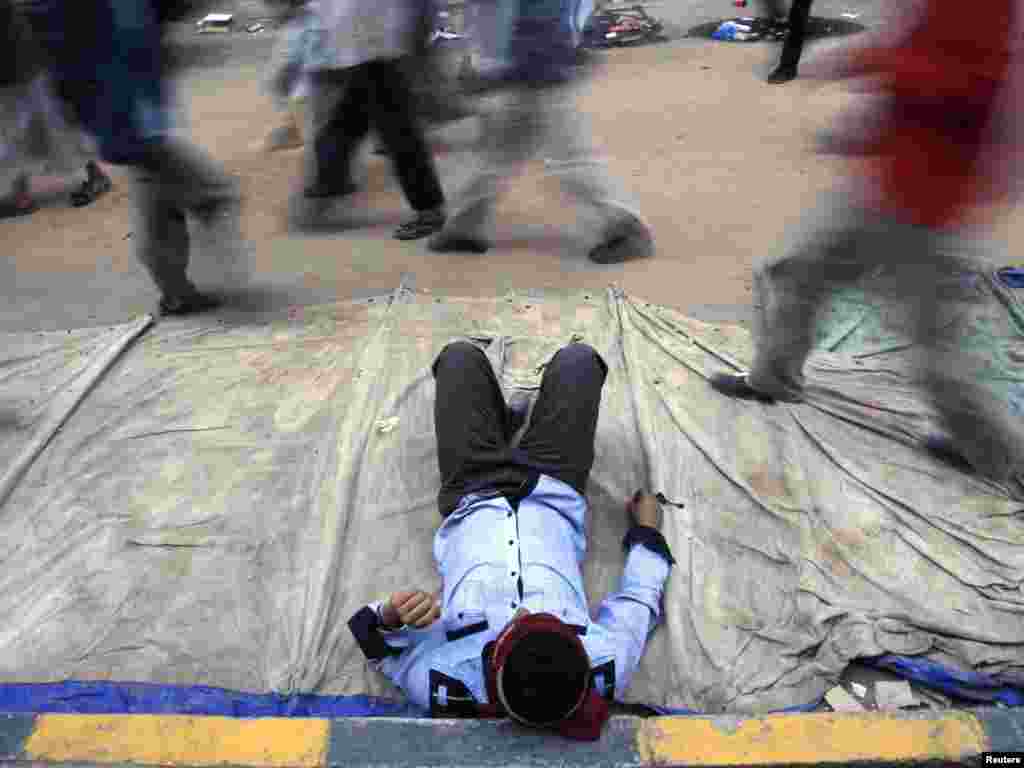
35, 129
358, 80
529, 52
938, 150
796, 35
111, 65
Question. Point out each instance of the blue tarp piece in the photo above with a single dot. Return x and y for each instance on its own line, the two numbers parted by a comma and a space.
965, 685
102, 698
1012, 276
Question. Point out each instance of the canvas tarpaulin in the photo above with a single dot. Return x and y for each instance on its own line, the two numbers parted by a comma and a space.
211, 505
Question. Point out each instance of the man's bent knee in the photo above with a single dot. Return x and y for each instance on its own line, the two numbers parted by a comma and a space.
458, 354
578, 355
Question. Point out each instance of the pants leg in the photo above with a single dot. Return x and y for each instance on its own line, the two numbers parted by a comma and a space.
162, 240
979, 422
790, 291
393, 109
472, 426
792, 47
560, 439
177, 178
573, 160
340, 121
511, 133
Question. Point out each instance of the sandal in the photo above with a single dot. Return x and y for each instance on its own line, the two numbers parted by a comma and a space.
426, 223
93, 188
20, 202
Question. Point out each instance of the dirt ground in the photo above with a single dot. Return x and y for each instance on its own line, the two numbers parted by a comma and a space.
719, 162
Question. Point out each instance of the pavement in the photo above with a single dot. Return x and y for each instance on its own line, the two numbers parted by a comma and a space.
952, 738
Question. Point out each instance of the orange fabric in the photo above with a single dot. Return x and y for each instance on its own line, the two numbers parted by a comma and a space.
943, 82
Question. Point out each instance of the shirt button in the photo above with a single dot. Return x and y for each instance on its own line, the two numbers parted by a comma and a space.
509, 515
510, 542
513, 573
513, 605
460, 615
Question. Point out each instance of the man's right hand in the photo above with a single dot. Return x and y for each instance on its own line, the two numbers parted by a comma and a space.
644, 509
410, 608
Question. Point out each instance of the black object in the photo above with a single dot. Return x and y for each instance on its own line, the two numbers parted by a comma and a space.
792, 47
621, 27
364, 625
737, 386
650, 538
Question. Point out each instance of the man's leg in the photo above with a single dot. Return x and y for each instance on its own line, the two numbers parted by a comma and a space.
560, 439
340, 120
510, 134
620, 233
472, 425
162, 240
793, 45
788, 295
393, 110
980, 426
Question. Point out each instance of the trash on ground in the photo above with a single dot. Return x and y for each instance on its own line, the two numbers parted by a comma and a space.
257, 27
386, 425
216, 22
890, 695
850, 15
860, 690
841, 701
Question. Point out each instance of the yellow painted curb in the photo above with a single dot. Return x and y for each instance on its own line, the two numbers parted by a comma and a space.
809, 739
180, 740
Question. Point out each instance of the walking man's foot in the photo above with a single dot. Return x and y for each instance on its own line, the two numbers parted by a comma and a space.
733, 385
96, 184
944, 449
453, 242
781, 75
424, 224
322, 190
625, 239
191, 303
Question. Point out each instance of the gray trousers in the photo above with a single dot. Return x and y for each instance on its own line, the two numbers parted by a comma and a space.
517, 123
916, 265
180, 180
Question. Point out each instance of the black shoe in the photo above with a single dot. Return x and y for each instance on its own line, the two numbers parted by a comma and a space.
445, 243
94, 187
189, 304
944, 449
782, 75
626, 239
426, 223
319, 190
736, 386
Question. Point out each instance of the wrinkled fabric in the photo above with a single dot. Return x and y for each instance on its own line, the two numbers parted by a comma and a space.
218, 504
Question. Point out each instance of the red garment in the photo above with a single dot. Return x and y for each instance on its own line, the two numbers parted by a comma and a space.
925, 161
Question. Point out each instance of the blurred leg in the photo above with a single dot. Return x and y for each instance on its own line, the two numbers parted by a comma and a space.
162, 241
793, 46
510, 135
340, 119
393, 115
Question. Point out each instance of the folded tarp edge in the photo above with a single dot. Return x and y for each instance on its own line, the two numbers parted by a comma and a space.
66, 402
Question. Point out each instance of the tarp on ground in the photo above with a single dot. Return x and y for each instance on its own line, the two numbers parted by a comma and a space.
205, 502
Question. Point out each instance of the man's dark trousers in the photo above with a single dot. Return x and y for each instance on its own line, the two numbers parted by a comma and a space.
474, 428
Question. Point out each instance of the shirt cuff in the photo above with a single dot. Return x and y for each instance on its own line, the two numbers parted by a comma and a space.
365, 625
651, 538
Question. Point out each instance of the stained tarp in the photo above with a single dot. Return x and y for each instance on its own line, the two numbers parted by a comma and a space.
209, 506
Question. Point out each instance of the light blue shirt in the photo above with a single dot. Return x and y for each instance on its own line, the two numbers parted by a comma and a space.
482, 550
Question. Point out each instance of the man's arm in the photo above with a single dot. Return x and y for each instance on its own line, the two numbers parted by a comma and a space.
632, 613
398, 637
